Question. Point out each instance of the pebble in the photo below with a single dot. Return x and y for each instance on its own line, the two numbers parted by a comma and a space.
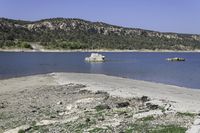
59, 103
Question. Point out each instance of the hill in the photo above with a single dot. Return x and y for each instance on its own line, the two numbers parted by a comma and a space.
61, 33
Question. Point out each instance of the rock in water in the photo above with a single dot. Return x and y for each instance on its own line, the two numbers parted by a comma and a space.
175, 59
95, 57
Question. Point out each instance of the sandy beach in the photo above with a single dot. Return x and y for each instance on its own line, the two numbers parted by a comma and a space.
139, 99
182, 99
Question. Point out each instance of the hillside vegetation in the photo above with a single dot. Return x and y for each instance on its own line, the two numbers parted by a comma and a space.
60, 33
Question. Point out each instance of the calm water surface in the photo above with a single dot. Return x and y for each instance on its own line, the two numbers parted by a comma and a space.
134, 65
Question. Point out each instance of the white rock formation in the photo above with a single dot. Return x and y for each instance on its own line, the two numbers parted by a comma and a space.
95, 57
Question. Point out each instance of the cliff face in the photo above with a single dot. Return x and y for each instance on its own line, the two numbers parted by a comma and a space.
86, 33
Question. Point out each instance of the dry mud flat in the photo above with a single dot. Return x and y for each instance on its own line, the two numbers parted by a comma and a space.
72, 108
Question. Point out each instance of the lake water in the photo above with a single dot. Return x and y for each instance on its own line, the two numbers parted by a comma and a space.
135, 65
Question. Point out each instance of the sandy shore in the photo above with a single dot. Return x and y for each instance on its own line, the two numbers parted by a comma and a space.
179, 98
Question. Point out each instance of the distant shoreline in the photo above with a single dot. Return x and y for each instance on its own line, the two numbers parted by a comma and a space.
95, 50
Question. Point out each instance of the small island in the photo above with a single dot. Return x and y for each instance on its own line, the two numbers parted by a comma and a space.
95, 57
175, 59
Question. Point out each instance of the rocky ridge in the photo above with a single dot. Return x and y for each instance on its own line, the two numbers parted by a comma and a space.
96, 30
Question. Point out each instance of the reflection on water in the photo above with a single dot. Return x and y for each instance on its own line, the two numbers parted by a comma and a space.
95, 67
142, 66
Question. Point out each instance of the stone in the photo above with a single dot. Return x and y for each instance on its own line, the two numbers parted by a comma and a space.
102, 107
59, 103
175, 59
69, 107
87, 120
61, 113
3, 105
95, 57
168, 107
144, 99
122, 104
152, 106
197, 122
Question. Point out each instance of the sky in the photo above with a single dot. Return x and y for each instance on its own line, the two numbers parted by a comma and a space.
182, 16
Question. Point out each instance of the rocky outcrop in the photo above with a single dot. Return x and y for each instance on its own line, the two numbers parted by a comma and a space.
95, 57
97, 27
175, 59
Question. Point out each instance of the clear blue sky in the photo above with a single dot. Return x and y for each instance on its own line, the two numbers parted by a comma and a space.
161, 15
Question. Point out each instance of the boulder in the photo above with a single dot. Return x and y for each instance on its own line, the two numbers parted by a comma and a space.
152, 106
175, 59
122, 104
95, 57
144, 99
